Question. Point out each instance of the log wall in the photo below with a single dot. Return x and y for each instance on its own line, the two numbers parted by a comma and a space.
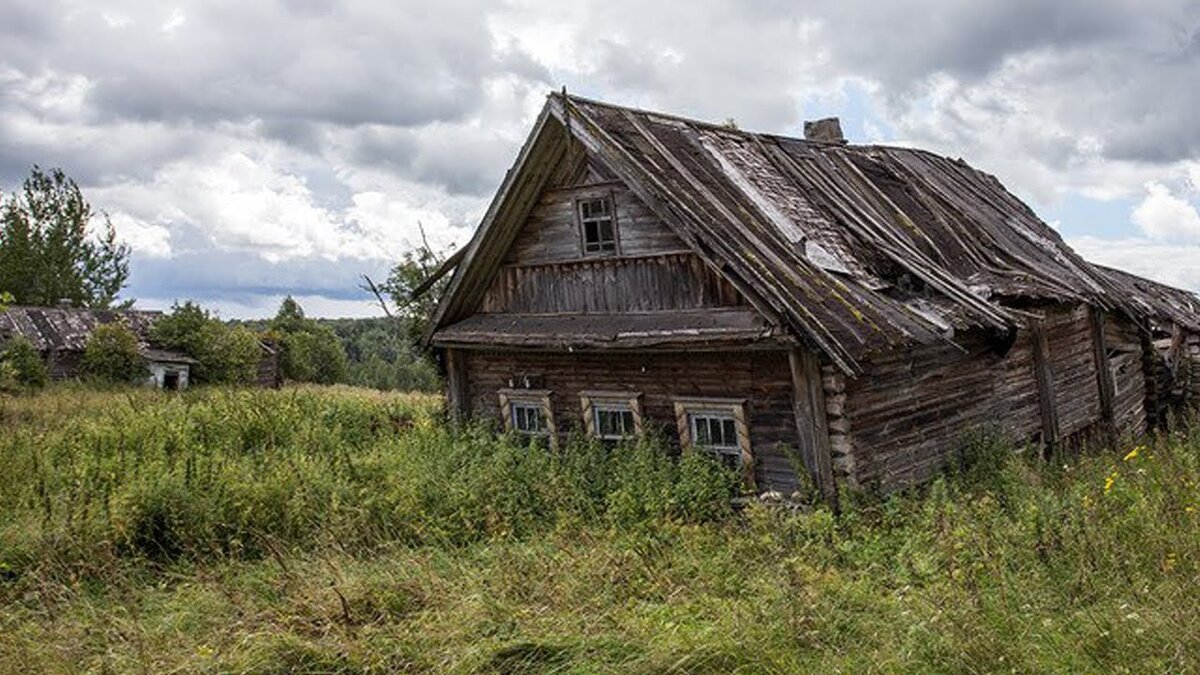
762, 378
907, 416
1193, 365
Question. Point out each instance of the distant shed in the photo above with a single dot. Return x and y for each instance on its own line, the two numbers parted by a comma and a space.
60, 335
850, 312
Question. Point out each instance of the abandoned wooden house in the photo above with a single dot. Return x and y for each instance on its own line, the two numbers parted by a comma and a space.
60, 335
849, 311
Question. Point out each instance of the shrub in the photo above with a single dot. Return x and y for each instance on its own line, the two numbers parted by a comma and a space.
21, 366
226, 355
314, 355
112, 355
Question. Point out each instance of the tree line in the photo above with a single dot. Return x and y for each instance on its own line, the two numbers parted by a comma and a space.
50, 254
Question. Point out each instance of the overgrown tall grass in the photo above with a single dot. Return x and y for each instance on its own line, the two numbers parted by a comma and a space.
338, 531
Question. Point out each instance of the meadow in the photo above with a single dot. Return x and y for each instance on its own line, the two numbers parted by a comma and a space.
340, 530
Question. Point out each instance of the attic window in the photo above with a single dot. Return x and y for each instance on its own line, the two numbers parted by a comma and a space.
598, 226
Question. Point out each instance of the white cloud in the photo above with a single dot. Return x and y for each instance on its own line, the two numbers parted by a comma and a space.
1175, 264
315, 134
145, 239
1162, 215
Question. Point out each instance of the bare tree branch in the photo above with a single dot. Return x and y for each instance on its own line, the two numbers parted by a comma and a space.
374, 289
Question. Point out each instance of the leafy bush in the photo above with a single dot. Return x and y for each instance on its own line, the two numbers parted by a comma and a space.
112, 355
21, 367
226, 355
311, 352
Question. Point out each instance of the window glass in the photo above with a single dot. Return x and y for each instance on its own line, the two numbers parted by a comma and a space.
613, 421
527, 418
717, 433
599, 235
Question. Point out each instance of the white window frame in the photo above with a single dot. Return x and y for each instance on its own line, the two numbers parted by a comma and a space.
593, 402
583, 222
687, 409
540, 398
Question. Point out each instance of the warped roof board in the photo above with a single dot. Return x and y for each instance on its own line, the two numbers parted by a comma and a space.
1163, 302
852, 249
618, 331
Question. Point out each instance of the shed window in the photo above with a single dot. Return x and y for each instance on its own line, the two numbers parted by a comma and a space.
528, 412
612, 415
599, 228
718, 426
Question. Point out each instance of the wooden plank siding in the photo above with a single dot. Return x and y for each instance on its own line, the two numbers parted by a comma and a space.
609, 285
551, 231
762, 378
545, 270
1123, 343
906, 418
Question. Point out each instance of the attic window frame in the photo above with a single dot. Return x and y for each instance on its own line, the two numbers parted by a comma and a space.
595, 402
601, 250
688, 408
540, 398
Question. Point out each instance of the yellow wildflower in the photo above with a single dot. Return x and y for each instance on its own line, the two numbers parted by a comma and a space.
1108, 482
1132, 453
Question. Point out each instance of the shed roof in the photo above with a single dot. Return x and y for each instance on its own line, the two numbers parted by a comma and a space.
854, 249
68, 328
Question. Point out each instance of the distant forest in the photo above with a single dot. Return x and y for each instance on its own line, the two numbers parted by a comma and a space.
379, 353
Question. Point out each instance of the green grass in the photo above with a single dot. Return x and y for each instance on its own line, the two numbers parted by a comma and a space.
342, 531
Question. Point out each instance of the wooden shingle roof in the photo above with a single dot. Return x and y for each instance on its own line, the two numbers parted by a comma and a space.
853, 249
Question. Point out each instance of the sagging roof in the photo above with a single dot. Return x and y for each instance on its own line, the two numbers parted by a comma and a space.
853, 249
68, 328
1166, 304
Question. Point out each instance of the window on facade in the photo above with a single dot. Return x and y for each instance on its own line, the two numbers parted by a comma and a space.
719, 426
599, 229
612, 415
614, 422
528, 412
527, 418
717, 433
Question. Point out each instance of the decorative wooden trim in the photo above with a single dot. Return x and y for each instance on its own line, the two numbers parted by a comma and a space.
540, 397
1104, 375
588, 399
733, 406
569, 262
812, 424
1045, 384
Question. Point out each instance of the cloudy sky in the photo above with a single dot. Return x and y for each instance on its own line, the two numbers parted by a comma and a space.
251, 149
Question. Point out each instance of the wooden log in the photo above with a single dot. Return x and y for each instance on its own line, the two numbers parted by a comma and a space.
1104, 376
457, 399
1045, 385
811, 422
1154, 397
